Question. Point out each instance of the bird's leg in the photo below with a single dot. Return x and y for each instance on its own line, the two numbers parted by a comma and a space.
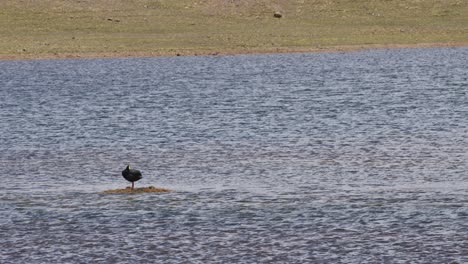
132, 186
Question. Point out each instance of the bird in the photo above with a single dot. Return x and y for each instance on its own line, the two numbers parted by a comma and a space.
131, 175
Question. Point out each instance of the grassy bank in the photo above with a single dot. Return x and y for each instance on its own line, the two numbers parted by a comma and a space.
87, 28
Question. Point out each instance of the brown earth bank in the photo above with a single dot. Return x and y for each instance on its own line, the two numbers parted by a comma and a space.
149, 189
135, 54
141, 28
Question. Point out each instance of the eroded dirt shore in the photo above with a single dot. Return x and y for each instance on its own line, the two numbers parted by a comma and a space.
343, 48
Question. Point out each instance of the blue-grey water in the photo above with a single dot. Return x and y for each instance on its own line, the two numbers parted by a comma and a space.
356, 157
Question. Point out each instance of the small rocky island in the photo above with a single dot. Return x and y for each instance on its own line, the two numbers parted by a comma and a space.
150, 189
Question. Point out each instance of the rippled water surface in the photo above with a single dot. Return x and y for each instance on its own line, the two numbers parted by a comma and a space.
356, 157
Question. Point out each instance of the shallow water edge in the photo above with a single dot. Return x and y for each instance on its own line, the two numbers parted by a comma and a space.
238, 51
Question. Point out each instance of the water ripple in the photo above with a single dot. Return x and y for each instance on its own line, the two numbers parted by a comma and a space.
354, 157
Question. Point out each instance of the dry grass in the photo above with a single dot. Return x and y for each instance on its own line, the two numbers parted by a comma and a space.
30, 28
150, 189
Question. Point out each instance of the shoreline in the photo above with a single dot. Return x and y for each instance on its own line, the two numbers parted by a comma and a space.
214, 52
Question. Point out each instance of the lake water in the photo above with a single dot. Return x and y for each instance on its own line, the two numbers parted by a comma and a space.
356, 157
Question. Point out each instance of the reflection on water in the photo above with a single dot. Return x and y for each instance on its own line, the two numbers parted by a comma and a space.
319, 158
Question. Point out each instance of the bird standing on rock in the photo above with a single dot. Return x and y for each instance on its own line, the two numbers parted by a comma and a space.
131, 175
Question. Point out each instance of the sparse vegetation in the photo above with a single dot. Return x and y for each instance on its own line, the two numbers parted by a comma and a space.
87, 28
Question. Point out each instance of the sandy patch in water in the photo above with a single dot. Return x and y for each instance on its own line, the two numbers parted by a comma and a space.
149, 189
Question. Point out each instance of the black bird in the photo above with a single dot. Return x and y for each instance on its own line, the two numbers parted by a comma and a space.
131, 175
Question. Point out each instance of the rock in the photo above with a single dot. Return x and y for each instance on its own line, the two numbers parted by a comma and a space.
150, 189
278, 14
